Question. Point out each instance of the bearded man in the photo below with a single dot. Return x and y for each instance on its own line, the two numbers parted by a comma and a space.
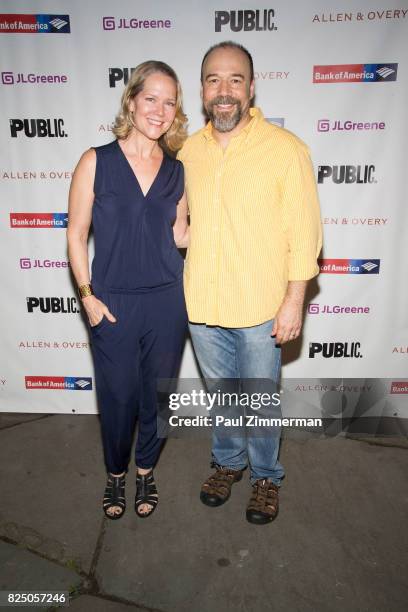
255, 236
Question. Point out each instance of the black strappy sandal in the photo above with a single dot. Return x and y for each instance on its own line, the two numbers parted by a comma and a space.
146, 493
114, 496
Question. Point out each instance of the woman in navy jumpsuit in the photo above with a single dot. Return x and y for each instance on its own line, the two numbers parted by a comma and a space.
135, 301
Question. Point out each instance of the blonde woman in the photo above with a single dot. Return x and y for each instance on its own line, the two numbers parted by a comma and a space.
132, 193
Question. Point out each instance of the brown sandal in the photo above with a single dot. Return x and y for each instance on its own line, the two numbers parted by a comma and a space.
217, 488
263, 505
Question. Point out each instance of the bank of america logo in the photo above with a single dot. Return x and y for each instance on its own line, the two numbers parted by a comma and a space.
58, 23
369, 266
82, 383
355, 73
349, 266
385, 72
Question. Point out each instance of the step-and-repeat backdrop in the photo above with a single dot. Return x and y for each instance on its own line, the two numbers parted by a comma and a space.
334, 73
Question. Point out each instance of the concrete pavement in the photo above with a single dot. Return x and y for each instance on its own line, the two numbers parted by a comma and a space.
339, 542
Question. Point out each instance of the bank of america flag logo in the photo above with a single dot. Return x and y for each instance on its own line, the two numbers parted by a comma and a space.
58, 23
385, 72
59, 383
349, 266
29, 23
355, 73
369, 266
83, 383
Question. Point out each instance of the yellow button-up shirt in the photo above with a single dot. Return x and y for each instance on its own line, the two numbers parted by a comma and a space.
254, 222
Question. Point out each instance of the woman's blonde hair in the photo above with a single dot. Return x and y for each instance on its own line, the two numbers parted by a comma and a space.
174, 138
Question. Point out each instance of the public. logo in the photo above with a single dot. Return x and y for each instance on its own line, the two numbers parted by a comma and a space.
347, 174
30, 78
11, 23
119, 75
46, 305
59, 383
349, 266
38, 128
38, 220
355, 73
335, 350
259, 20
326, 125
121, 23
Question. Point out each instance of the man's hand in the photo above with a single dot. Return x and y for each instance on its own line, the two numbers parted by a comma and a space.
288, 320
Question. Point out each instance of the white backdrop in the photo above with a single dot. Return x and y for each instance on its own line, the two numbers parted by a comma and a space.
65, 69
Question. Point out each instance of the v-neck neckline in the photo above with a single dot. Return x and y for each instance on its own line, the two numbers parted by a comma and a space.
145, 195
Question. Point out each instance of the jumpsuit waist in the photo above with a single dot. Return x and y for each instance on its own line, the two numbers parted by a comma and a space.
100, 288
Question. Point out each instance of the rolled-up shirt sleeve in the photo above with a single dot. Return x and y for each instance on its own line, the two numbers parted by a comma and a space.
301, 216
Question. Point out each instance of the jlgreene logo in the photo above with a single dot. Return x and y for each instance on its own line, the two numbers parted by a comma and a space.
335, 350
355, 73
46, 305
246, 20
59, 383
40, 128
347, 174
349, 266
30, 78
314, 308
325, 125
12, 23
111, 23
27, 264
39, 220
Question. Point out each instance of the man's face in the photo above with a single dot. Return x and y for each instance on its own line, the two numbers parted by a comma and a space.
227, 89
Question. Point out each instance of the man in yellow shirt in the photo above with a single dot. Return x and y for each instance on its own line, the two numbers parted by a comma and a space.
255, 235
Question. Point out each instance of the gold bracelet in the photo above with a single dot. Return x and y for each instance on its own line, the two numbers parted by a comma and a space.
85, 291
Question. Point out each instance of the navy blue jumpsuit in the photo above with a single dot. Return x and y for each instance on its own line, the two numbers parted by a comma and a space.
137, 272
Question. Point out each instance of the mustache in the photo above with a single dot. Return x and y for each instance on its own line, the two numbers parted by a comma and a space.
224, 100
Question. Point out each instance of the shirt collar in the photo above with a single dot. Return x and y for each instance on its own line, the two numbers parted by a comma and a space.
256, 117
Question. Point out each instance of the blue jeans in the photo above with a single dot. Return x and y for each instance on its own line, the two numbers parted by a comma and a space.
244, 353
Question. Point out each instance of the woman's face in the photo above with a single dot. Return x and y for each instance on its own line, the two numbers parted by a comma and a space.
154, 108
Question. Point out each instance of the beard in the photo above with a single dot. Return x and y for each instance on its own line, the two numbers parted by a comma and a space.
224, 121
